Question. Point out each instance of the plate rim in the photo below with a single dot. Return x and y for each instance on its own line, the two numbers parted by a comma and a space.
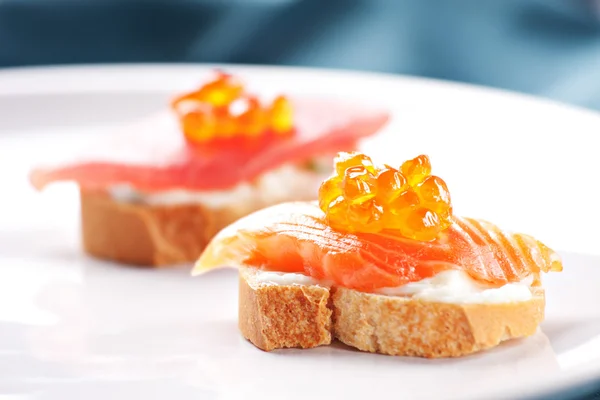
17, 80
19, 83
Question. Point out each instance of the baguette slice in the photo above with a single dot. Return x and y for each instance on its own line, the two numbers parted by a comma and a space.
150, 235
278, 316
275, 316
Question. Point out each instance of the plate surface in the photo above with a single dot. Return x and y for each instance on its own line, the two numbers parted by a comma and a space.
73, 327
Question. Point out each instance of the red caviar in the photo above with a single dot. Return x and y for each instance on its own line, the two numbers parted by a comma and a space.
211, 112
409, 201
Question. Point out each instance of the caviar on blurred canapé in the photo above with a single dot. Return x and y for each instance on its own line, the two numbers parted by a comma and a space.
409, 201
222, 109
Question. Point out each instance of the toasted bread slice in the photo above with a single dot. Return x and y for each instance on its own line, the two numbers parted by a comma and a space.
277, 316
274, 316
129, 228
149, 235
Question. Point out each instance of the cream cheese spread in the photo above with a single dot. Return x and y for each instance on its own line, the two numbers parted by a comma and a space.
286, 183
452, 286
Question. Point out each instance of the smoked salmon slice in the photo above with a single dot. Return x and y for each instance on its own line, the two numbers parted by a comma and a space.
321, 126
295, 237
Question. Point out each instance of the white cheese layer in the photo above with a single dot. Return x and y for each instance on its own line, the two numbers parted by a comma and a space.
285, 279
452, 286
286, 183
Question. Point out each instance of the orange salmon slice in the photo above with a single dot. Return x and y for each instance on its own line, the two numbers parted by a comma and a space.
295, 237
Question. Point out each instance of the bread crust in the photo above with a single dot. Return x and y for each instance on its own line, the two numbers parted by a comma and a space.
410, 327
277, 316
149, 235
273, 316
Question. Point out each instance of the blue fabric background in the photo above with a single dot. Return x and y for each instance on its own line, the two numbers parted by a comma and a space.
545, 47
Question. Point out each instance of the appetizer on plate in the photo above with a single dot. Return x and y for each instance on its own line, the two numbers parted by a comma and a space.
157, 192
381, 263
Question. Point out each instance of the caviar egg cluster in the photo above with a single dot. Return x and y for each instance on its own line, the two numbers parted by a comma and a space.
222, 109
409, 201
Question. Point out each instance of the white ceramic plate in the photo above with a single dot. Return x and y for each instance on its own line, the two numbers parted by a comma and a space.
72, 327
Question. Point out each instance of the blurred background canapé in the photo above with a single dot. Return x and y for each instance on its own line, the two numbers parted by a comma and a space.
549, 48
